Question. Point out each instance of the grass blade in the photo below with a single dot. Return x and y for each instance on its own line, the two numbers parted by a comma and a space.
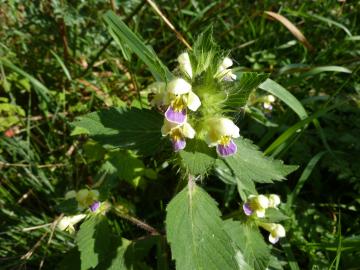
147, 55
277, 90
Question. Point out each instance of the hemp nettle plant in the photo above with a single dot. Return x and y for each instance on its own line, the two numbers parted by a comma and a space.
190, 116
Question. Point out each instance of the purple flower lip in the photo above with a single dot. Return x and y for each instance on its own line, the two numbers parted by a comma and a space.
178, 144
95, 206
175, 116
226, 150
247, 210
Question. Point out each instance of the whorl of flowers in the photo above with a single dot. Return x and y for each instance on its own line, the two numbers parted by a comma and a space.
193, 104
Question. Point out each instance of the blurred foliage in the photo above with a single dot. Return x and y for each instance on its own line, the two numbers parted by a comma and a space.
57, 61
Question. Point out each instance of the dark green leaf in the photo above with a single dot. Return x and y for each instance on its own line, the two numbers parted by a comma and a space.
127, 128
93, 240
197, 158
240, 89
274, 216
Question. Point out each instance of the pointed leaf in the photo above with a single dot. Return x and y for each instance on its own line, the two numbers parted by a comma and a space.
197, 158
250, 164
194, 231
250, 241
93, 241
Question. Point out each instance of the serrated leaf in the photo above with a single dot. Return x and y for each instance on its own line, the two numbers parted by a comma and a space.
245, 186
135, 44
93, 241
194, 231
127, 128
197, 157
250, 164
250, 241
240, 89
274, 216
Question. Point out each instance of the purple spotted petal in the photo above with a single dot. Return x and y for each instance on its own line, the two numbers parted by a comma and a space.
178, 144
174, 116
247, 210
226, 150
95, 206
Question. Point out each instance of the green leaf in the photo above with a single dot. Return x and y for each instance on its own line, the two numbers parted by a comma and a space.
277, 90
274, 216
197, 157
127, 254
304, 177
317, 70
245, 186
250, 164
251, 243
148, 56
194, 231
93, 240
127, 165
127, 128
39, 88
71, 260
240, 89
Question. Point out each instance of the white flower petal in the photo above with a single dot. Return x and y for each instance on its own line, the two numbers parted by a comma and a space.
167, 127
193, 101
271, 98
188, 131
262, 201
260, 213
267, 105
179, 86
69, 221
273, 240
274, 200
279, 230
185, 64
227, 62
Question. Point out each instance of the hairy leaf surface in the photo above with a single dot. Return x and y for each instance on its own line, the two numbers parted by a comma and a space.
194, 230
127, 128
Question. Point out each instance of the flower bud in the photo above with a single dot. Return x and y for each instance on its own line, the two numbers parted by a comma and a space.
185, 64
67, 222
